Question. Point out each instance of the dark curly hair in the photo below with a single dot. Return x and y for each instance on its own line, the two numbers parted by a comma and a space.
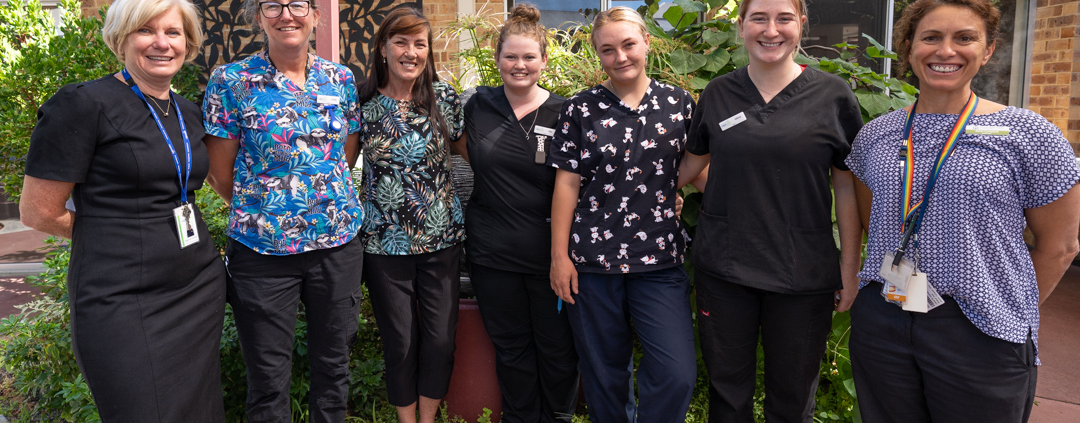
904, 33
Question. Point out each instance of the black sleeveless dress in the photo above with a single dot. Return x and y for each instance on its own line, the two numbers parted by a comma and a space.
146, 315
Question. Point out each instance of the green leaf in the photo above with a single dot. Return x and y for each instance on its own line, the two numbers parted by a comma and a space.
873, 103
716, 60
692, 6
849, 386
876, 50
714, 38
673, 15
699, 83
684, 62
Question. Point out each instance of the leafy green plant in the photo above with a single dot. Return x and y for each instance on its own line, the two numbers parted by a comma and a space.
36, 349
39, 58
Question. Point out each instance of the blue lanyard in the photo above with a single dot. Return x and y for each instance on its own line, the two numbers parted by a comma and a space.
184, 178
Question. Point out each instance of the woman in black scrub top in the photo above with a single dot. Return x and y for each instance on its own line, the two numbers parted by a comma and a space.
146, 285
775, 135
509, 129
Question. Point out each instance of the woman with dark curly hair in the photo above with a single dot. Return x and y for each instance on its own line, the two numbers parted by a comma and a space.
945, 325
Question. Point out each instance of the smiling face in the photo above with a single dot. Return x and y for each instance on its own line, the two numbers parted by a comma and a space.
155, 51
288, 30
623, 50
520, 61
771, 30
406, 55
949, 47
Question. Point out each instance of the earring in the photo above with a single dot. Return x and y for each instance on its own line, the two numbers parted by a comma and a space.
384, 60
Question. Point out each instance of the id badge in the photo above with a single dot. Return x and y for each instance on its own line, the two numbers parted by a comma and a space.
898, 276
916, 294
542, 135
185, 225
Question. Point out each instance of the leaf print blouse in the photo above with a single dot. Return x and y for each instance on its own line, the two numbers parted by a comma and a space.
629, 164
409, 201
292, 191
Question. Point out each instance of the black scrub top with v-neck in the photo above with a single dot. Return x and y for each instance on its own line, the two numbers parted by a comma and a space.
508, 220
766, 213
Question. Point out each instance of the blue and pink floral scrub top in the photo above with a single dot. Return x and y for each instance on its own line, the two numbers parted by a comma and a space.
292, 190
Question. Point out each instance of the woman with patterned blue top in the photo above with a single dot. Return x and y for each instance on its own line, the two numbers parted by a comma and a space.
945, 325
282, 135
414, 225
616, 244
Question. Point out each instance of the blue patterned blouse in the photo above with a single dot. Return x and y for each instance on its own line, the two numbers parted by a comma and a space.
292, 191
971, 243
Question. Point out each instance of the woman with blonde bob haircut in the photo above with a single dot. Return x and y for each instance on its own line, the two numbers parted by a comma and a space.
130, 15
129, 153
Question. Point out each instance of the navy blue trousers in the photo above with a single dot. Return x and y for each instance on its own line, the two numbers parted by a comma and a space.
609, 309
915, 367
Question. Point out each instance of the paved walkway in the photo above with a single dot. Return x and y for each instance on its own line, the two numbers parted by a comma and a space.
1058, 392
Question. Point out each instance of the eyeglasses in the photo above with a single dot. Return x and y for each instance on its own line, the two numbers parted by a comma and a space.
272, 9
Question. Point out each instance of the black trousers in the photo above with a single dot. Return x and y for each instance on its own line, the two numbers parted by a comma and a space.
264, 292
535, 359
915, 367
793, 331
415, 300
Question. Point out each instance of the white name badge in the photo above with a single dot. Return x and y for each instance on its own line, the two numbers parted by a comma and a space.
328, 99
897, 276
987, 130
732, 121
916, 294
185, 225
543, 130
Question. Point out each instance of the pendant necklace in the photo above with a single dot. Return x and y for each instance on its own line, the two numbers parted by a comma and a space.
536, 113
168, 105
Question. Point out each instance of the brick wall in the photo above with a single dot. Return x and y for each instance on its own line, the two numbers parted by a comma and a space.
1055, 71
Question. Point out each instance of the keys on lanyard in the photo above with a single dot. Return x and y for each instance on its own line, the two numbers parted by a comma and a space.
896, 269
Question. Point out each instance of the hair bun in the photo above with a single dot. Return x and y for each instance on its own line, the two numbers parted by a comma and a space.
525, 13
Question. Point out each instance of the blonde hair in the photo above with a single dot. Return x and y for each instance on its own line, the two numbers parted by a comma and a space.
126, 16
617, 14
524, 20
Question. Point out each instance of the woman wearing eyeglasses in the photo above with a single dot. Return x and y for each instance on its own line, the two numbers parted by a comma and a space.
282, 135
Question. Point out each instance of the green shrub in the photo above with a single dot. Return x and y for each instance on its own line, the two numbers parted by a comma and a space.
37, 61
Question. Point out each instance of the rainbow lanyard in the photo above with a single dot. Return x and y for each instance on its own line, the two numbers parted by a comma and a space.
913, 212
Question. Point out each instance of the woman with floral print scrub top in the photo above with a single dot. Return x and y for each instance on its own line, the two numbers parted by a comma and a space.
282, 135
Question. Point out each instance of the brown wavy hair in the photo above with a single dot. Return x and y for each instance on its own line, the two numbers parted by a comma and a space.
405, 20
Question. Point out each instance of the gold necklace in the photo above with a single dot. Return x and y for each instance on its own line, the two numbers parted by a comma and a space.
168, 106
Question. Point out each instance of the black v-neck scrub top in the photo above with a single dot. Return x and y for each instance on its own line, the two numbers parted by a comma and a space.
766, 219
508, 221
